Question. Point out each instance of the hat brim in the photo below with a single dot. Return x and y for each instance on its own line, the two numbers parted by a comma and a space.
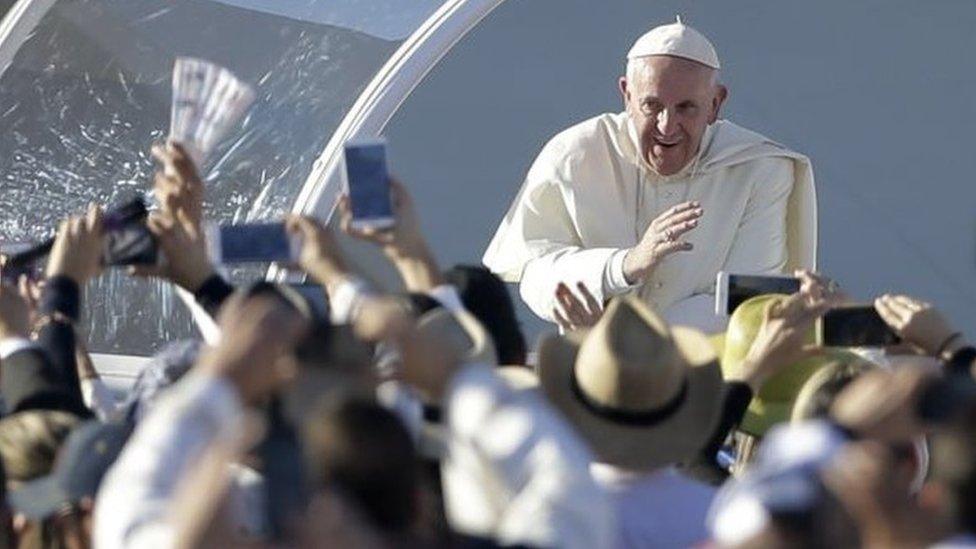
39, 498
674, 439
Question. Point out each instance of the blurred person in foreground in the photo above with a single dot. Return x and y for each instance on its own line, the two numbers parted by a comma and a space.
511, 499
41, 387
58, 507
534, 488
206, 408
856, 464
649, 397
657, 199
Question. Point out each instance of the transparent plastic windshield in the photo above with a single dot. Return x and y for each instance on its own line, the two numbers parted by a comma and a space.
87, 91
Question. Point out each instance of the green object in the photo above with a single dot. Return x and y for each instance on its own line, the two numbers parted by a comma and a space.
774, 402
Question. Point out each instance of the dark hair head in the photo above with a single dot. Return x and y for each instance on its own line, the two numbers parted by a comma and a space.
361, 449
487, 298
954, 467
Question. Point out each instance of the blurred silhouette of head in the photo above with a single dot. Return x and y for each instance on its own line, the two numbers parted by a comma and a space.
486, 297
359, 448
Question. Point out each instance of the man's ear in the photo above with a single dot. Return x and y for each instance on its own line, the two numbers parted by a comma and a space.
721, 94
624, 94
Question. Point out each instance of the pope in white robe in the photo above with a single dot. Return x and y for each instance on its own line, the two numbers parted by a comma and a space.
593, 192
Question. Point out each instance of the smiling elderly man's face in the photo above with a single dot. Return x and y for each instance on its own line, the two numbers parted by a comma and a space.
671, 100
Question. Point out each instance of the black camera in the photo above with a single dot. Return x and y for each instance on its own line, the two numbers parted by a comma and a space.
127, 240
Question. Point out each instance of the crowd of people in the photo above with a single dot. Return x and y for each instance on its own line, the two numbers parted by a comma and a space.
425, 419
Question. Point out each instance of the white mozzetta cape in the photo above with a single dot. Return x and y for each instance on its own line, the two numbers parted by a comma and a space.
589, 195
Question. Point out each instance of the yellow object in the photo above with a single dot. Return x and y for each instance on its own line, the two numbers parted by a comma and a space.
776, 398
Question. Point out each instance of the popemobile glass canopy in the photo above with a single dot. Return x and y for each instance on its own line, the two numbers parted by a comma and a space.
467, 92
86, 89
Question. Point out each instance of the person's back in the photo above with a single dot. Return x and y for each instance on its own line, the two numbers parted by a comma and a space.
659, 509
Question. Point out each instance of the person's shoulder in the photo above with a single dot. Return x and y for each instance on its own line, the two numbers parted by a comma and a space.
730, 146
583, 137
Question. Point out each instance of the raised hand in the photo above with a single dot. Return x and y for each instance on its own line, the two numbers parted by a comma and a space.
781, 338
404, 238
78, 248
818, 287
185, 260
320, 255
573, 313
403, 244
662, 239
919, 323
178, 186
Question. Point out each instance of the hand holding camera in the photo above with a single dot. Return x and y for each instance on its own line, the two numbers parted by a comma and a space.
78, 248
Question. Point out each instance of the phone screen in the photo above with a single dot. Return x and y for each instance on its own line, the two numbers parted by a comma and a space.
255, 243
860, 326
745, 287
369, 183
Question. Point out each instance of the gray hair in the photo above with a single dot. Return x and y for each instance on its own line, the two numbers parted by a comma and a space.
636, 66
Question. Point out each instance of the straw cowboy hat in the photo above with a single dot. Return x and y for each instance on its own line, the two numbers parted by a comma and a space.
642, 394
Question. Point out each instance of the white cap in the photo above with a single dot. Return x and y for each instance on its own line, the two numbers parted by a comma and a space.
678, 40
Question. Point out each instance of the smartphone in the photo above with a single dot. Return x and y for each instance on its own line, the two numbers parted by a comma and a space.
368, 182
856, 326
314, 294
731, 289
127, 242
251, 243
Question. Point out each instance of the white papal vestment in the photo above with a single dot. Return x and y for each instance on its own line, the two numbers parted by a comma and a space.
590, 196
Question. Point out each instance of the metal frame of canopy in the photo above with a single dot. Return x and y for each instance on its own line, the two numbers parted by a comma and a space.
402, 72
373, 109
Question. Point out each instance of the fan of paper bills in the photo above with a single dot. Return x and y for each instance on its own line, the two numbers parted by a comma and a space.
208, 100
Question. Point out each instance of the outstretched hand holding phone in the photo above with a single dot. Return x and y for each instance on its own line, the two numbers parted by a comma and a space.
319, 255
378, 208
403, 243
920, 324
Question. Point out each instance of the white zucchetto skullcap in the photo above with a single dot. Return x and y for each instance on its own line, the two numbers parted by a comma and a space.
678, 40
